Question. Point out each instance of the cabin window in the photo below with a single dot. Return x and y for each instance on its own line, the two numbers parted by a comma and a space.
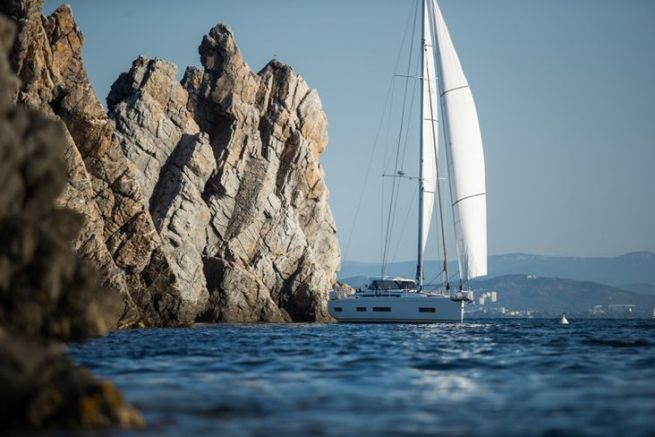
338, 309
361, 309
382, 309
426, 310
388, 284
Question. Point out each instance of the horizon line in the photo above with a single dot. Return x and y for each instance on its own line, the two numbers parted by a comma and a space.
649, 252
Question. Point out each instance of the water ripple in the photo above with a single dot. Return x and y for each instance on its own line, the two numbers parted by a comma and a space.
509, 377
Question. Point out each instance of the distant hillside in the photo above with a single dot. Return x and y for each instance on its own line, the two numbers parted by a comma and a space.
635, 267
555, 295
631, 268
640, 288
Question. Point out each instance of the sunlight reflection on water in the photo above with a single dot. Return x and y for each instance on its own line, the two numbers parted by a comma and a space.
511, 377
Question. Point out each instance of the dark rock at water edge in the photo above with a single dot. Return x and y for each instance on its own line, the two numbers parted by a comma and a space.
41, 388
48, 294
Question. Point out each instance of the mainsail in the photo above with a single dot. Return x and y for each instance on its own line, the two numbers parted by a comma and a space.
429, 136
464, 154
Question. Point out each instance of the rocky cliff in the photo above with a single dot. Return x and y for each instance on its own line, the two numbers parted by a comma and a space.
229, 161
118, 234
200, 200
48, 294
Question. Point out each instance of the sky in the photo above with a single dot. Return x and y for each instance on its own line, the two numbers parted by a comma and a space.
565, 93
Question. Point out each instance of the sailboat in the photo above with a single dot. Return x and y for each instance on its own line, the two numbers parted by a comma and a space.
443, 82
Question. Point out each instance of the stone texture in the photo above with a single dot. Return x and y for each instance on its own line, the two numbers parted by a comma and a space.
174, 162
119, 237
48, 293
202, 200
272, 253
46, 290
231, 166
78, 196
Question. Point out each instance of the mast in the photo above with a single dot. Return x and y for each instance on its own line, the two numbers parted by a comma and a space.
428, 166
421, 181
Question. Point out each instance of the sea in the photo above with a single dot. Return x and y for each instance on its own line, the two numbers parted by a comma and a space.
492, 377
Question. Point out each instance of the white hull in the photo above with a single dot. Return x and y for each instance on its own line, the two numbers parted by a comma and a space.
406, 307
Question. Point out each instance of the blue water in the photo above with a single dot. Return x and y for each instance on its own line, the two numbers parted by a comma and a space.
501, 377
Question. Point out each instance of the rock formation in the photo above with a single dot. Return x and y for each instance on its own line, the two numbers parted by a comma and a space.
201, 200
47, 293
173, 163
119, 236
261, 224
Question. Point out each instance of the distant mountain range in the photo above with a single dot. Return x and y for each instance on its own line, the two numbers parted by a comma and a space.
550, 296
636, 269
546, 285
642, 288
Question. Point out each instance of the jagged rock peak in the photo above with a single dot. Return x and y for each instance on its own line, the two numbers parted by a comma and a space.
272, 221
205, 197
173, 163
139, 77
218, 46
230, 162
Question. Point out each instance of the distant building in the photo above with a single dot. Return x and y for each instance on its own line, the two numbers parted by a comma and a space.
621, 309
597, 310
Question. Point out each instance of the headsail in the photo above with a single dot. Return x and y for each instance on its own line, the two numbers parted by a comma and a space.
429, 136
465, 156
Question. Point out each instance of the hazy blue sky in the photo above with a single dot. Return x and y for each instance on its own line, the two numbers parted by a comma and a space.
565, 92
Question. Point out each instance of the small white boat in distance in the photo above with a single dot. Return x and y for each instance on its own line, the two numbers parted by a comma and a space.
563, 320
396, 300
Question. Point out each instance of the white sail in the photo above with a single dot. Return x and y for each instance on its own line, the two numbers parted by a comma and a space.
429, 132
465, 156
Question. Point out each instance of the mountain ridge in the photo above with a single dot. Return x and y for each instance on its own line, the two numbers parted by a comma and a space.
629, 268
551, 296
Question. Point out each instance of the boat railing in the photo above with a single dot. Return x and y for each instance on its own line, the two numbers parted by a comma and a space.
443, 293
338, 292
341, 292
465, 296
391, 292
